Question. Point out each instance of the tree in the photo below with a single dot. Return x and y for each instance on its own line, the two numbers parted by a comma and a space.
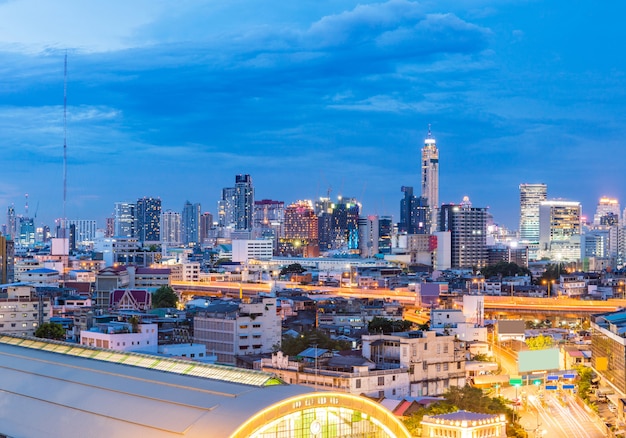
466, 398
481, 357
504, 269
294, 268
164, 297
134, 322
292, 346
540, 342
384, 325
50, 330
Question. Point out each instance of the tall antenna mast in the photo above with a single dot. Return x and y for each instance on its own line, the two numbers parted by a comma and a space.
64, 219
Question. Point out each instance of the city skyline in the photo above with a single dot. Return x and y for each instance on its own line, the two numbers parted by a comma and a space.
173, 104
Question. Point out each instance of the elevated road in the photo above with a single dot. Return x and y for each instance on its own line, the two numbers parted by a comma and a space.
495, 306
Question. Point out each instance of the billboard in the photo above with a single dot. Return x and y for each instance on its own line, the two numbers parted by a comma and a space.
538, 360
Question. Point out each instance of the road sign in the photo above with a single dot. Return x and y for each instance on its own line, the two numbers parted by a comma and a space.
551, 387
515, 381
552, 377
568, 386
569, 376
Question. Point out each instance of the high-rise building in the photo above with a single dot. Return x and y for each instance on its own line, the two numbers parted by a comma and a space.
430, 176
324, 211
415, 214
244, 202
269, 216
608, 210
12, 221
530, 196
468, 233
369, 238
26, 232
171, 228
148, 217
300, 230
560, 230
125, 219
385, 231
226, 208
7, 260
206, 224
190, 224
345, 224
85, 231
109, 230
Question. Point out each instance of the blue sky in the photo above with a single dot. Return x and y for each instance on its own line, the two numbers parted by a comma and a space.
172, 99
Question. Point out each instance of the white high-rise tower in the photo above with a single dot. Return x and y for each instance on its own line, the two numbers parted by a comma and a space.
430, 177
530, 196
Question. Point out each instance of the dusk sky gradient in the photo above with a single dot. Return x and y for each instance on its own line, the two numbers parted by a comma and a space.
172, 99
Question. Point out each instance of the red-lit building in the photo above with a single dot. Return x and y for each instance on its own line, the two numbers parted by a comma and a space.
300, 236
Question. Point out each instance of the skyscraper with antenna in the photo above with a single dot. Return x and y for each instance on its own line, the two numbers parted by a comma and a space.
430, 177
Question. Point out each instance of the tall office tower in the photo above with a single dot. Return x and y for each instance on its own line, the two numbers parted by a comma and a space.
206, 224
125, 219
226, 208
71, 228
27, 232
244, 202
324, 211
45, 232
12, 222
148, 217
430, 177
345, 224
85, 231
607, 211
171, 225
191, 224
109, 227
7, 260
268, 219
385, 231
530, 196
468, 233
300, 236
415, 214
559, 230
369, 227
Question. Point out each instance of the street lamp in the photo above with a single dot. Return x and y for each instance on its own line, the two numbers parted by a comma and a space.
548, 282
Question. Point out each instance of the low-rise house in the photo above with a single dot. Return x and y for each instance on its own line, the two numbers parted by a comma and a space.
434, 362
350, 374
121, 336
40, 277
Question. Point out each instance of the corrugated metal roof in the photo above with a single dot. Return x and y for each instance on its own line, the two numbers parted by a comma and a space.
60, 389
208, 371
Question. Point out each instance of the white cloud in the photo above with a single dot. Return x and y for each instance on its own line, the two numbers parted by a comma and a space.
91, 26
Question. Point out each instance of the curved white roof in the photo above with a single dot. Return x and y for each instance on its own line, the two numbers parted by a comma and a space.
56, 394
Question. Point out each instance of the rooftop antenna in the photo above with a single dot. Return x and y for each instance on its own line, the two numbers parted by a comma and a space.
63, 220
26, 205
429, 133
